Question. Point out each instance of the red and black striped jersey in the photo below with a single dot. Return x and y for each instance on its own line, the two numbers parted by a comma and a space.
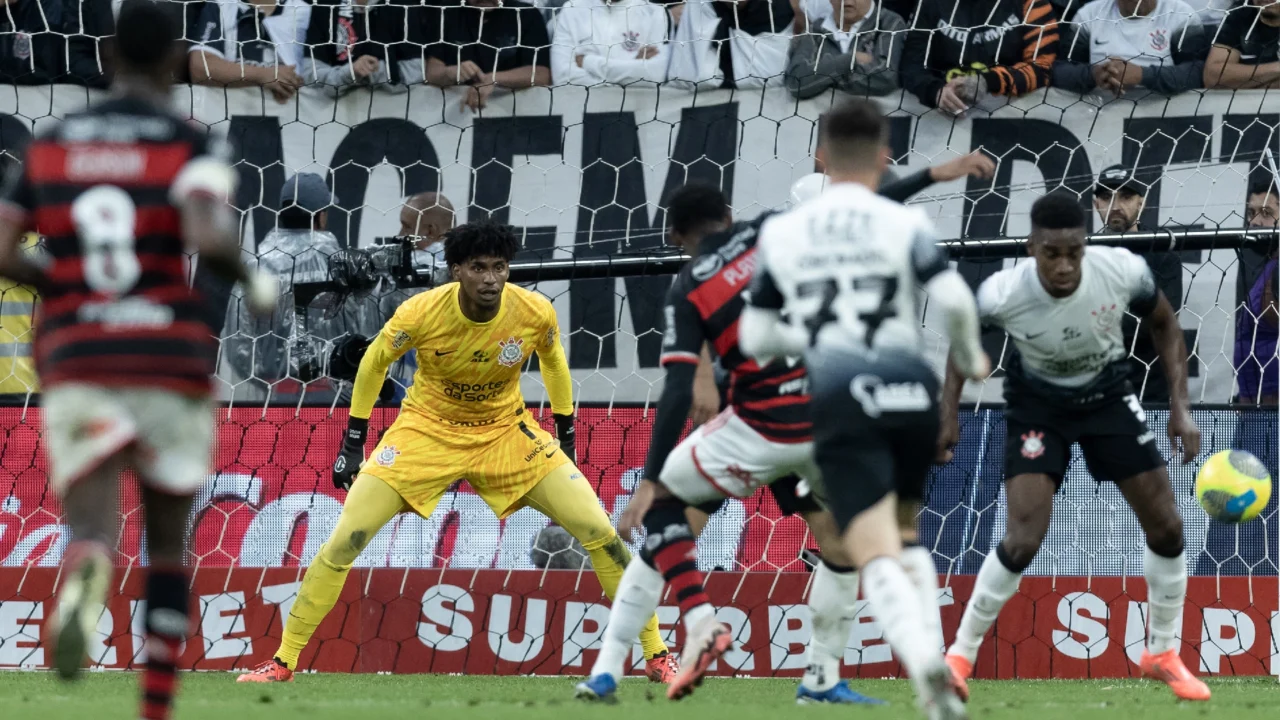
704, 304
117, 308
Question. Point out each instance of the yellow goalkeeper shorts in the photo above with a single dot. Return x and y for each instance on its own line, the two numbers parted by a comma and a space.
421, 456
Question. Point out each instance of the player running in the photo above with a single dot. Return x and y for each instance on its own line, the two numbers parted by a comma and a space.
1067, 383
762, 438
463, 417
846, 268
121, 192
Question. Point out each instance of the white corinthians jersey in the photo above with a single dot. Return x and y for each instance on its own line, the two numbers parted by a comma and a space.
849, 266
1069, 349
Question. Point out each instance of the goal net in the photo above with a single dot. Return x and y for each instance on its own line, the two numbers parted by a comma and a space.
582, 171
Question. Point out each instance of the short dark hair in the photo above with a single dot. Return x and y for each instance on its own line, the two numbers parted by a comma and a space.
851, 130
1263, 186
292, 217
480, 239
1059, 210
146, 33
695, 204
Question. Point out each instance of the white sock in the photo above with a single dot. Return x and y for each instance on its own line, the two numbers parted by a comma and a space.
694, 616
639, 592
1166, 594
993, 588
896, 608
833, 599
918, 563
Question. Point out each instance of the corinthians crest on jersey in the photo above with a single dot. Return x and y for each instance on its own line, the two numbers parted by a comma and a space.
510, 351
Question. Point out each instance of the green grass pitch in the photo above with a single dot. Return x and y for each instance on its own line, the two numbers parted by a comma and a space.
216, 696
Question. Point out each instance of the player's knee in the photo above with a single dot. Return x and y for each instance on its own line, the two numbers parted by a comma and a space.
1016, 553
344, 547
1165, 537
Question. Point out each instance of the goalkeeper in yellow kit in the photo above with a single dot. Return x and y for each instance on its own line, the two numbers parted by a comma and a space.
464, 417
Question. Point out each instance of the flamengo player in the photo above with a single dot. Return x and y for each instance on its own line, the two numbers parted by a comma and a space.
1067, 383
120, 192
763, 437
463, 417
846, 268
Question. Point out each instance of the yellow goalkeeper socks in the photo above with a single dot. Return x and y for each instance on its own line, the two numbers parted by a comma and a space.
609, 558
319, 593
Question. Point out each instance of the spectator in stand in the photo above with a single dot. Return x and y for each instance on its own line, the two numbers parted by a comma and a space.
32, 42
619, 42
1119, 198
1212, 12
484, 44
340, 52
856, 49
1246, 49
734, 44
1257, 322
1158, 45
86, 32
960, 51
241, 43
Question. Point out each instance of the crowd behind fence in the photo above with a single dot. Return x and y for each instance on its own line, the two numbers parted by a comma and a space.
948, 53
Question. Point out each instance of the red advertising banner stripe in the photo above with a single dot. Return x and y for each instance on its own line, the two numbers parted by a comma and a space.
506, 623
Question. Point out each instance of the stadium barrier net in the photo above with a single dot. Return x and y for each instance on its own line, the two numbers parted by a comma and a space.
583, 170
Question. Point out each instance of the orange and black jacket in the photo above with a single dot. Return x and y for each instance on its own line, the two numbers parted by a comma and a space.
1010, 43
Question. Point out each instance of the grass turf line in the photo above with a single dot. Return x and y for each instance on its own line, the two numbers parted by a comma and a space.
216, 696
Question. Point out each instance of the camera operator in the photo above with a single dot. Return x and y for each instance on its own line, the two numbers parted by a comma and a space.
428, 216
271, 358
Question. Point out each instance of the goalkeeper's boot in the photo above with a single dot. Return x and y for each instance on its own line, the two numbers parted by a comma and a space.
705, 644
80, 604
598, 688
961, 671
661, 668
268, 672
838, 694
1168, 668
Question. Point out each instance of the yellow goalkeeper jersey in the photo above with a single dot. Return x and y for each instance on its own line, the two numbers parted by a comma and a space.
468, 372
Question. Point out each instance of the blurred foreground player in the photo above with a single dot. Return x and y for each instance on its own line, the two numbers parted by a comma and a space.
1068, 382
121, 192
762, 438
847, 268
463, 417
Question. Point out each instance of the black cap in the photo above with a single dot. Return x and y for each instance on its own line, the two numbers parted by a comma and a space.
1118, 177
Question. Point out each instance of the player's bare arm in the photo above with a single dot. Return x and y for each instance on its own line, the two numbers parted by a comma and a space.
1172, 348
706, 396
200, 192
949, 410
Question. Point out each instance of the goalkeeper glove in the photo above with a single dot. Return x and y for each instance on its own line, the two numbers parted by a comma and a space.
347, 466
564, 432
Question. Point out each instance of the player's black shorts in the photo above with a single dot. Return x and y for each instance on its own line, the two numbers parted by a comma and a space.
875, 426
785, 490
1114, 439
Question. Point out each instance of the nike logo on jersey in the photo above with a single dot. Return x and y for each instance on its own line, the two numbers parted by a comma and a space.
1031, 337
553, 452
1099, 41
441, 354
